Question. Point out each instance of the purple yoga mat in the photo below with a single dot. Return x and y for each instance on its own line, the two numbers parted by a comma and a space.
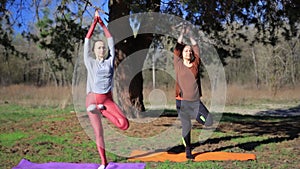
26, 164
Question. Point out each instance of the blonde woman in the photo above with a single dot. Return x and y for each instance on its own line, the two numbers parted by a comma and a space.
99, 86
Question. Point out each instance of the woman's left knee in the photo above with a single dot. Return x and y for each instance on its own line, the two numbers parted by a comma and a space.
125, 125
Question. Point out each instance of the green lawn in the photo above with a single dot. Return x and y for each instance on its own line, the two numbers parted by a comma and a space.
43, 134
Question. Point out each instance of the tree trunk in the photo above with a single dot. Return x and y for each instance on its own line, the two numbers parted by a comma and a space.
257, 81
125, 47
293, 48
132, 98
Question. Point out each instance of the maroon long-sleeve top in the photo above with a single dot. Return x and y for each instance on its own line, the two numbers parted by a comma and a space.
188, 86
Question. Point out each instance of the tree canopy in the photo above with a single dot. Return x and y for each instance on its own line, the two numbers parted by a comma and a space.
212, 17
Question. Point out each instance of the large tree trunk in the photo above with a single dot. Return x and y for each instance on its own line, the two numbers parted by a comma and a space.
133, 99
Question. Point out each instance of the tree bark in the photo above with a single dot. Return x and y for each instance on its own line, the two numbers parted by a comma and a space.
133, 100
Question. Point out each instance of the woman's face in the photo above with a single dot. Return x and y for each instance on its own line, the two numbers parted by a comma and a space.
187, 52
100, 49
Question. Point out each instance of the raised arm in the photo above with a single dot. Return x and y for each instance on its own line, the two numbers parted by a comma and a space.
92, 27
110, 41
194, 43
179, 46
195, 47
87, 51
106, 31
180, 38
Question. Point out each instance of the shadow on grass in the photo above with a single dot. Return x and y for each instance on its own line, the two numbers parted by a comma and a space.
279, 128
159, 113
180, 148
250, 146
259, 125
293, 111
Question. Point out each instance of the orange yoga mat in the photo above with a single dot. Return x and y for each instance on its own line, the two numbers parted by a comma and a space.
180, 157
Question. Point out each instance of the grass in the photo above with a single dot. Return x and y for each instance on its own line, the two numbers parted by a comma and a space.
37, 124
8, 139
47, 134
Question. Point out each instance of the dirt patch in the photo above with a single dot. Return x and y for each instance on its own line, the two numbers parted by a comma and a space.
283, 132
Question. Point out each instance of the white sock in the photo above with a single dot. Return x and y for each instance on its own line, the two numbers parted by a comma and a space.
91, 108
101, 106
101, 166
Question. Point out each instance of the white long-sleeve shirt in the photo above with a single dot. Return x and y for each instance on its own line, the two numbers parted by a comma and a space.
100, 73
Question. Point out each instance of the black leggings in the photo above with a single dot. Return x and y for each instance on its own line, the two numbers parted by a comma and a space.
188, 110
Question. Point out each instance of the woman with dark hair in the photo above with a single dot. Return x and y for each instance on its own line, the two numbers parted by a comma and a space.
188, 88
99, 86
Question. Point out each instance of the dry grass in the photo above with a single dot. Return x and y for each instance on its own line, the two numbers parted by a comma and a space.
237, 94
36, 96
62, 96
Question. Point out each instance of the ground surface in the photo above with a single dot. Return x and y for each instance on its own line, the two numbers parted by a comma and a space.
265, 134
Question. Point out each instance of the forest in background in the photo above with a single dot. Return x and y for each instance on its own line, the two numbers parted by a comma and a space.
259, 65
257, 40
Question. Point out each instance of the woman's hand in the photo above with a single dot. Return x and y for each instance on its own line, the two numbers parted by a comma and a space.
189, 32
96, 16
182, 29
97, 13
182, 32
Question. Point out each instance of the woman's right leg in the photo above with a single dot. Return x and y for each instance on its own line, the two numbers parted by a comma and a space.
186, 123
96, 123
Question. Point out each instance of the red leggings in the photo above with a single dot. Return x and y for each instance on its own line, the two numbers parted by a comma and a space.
112, 112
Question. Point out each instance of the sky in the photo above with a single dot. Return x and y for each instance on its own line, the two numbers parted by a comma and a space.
27, 16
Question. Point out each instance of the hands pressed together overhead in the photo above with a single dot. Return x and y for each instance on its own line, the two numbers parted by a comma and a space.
186, 30
97, 18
